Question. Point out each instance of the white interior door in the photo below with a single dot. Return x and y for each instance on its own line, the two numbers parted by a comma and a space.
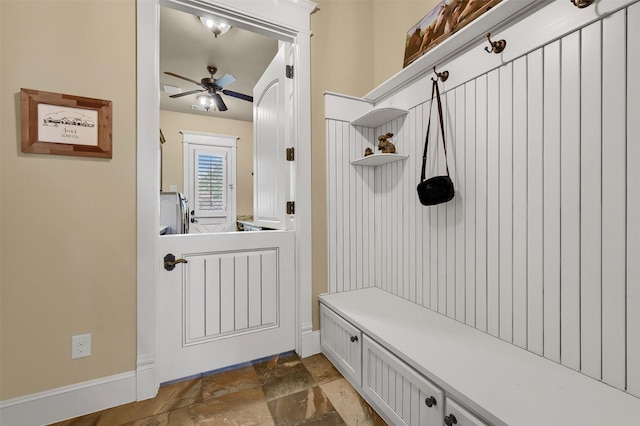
232, 302
271, 173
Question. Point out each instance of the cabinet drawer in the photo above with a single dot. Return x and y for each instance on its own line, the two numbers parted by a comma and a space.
456, 415
342, 343
406, 397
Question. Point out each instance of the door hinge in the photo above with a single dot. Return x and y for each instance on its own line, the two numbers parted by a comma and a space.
291, 154
289, 71
291, 207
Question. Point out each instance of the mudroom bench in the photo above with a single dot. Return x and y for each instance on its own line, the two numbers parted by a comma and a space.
418, 367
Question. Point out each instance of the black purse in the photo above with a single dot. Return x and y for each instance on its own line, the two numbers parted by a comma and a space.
438, 189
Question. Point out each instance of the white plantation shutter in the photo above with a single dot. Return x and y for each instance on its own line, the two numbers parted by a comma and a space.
210, 183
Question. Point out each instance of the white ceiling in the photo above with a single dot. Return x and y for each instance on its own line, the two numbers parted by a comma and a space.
187, 48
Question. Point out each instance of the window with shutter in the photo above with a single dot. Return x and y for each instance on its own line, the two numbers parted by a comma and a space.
210, 183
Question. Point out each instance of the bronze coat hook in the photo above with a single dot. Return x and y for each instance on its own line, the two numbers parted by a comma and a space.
443, 76
582, 3
496, 46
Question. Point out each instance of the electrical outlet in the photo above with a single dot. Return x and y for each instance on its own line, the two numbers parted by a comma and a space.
80, 346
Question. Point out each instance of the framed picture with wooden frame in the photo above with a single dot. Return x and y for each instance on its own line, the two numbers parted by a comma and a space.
54, 123
440, 23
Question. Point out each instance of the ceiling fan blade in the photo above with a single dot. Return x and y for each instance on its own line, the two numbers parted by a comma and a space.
179, 95
184, 78
220, 105
225, 80
238, 95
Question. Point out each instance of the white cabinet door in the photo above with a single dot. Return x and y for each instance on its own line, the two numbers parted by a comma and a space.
405, 396
342, 344
456, 415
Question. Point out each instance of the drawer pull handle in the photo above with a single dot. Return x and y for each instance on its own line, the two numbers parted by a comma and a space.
450, 420
431, 401
354, 339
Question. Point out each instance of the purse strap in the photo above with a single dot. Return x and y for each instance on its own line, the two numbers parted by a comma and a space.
434, 90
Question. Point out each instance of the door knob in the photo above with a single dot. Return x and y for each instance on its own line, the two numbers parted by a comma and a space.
170, 262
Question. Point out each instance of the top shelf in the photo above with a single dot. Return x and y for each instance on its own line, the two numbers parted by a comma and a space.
379, 116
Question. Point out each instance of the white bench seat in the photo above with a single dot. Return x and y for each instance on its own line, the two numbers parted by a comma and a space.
499, 381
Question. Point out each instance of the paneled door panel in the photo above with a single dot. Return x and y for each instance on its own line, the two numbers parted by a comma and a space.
232, 302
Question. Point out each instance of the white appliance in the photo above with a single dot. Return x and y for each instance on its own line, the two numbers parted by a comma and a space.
174, 213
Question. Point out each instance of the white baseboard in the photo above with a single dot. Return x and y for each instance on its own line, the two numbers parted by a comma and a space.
310, 343
69, 401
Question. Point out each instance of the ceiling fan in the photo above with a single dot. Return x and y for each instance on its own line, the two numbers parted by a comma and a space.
212, 86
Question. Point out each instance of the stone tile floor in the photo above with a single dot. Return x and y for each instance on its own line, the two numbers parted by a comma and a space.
282, 390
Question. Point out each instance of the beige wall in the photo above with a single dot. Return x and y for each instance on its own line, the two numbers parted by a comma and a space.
356, 45
68, 224
172, 123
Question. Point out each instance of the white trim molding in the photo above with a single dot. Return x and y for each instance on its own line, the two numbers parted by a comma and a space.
70, 401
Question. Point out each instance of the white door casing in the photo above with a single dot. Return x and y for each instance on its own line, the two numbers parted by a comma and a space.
286, 20
271, 138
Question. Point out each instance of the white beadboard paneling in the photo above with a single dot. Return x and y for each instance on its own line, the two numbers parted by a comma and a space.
633, 203
535, 251
520, 202
537, 247
450, 125
551, 219
591, 202
493, 203
458, 146
470, 202
613, 200
506, 202
570, 201
481, 203
332, 208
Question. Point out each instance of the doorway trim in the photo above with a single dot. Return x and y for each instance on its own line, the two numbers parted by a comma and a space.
287, 20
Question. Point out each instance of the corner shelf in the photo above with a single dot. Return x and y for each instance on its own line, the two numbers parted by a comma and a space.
379, 116
378, 159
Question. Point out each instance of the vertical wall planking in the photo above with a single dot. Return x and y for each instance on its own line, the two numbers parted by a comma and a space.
356, 211
449, 124
470, 203
570, 201
551, 201
506, 202
332, 209
493, 203
460, 189
432, 211
633, 203
613, 199
412, 224
346, 205
481, 203
339, 258
535, 250
591, 202
520, 202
